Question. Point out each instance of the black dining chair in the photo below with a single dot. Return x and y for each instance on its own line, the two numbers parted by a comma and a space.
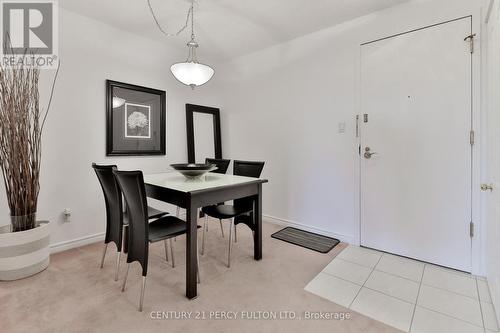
116, 219
141, 232
222, 166
242, 209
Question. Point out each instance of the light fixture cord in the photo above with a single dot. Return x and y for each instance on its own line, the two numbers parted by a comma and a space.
192, 44
189, 13
192, 19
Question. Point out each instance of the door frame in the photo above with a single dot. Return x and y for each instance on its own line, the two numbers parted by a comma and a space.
477, 265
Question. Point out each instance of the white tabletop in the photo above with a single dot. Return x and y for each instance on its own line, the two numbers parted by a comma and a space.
175, 181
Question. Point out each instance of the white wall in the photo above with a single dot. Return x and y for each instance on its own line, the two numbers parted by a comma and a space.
285, 104
491, 172
74, 137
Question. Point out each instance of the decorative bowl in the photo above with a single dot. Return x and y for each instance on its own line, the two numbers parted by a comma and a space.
193, 170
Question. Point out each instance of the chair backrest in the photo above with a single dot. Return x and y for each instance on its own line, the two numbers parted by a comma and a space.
247, 169
132, 186
222, 164
114, 205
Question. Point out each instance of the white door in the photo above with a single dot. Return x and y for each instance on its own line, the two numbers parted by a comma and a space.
416, 187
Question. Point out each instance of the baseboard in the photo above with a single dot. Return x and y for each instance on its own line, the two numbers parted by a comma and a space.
78, 242
288, 223
71, 244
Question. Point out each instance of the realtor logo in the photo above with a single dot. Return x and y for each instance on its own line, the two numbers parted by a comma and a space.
29, 30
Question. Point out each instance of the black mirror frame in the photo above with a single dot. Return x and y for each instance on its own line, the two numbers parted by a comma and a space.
190, 110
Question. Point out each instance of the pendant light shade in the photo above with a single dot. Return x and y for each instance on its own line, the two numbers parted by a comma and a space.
192, 74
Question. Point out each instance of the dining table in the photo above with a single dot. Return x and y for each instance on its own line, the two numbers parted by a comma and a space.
193, 194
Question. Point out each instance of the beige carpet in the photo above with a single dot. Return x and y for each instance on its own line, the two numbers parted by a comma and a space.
74, 295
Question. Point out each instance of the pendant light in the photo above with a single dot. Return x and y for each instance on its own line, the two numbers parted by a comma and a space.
190, 72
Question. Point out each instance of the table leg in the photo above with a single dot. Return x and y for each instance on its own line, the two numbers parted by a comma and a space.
257, 235
191, 251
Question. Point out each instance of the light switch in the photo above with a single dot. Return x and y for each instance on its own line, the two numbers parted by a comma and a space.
341, 127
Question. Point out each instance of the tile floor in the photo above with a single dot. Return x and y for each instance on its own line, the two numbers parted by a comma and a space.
409, 295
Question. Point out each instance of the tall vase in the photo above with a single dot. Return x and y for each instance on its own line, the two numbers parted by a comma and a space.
24, 253
23, 222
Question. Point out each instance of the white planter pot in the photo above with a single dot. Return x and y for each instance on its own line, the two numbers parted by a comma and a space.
24, 253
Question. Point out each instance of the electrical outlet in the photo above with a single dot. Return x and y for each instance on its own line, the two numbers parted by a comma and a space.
67, 215
341, 127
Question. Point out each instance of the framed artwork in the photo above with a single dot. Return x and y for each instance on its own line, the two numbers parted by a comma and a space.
136, 120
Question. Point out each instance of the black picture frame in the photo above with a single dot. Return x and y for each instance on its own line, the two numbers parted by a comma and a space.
215, 112
111, 149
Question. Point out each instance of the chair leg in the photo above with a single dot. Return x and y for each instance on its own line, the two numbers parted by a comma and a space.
200, 215
221, 228
104, 254
143, 288
198, 267
166, 250
235, 238
117, 265
125, 278
229, 249
172, 252
177, 213
124, 240
203, 237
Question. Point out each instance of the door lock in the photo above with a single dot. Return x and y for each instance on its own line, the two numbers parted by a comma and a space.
487, 187
368, 154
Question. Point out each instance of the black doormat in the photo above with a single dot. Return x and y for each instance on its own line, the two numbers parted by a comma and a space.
306, 239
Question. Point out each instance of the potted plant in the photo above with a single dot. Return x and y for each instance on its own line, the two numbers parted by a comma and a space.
25, 247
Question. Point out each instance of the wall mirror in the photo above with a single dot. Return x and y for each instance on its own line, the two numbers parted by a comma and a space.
203, 133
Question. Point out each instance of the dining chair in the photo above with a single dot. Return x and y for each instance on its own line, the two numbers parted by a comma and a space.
116, 218
222, 166
241, 212
141, 232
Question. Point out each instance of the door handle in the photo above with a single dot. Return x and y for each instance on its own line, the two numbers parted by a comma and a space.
368, 154
487, 187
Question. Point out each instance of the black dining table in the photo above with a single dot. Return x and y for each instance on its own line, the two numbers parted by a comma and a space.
210, 189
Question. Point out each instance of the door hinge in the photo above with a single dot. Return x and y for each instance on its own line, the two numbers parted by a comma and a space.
357, 125
472, 138
470, 38
471, 229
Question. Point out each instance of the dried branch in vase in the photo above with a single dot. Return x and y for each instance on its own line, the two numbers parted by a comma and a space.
21, 127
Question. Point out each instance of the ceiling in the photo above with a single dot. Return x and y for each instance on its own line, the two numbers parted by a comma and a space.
227, 29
